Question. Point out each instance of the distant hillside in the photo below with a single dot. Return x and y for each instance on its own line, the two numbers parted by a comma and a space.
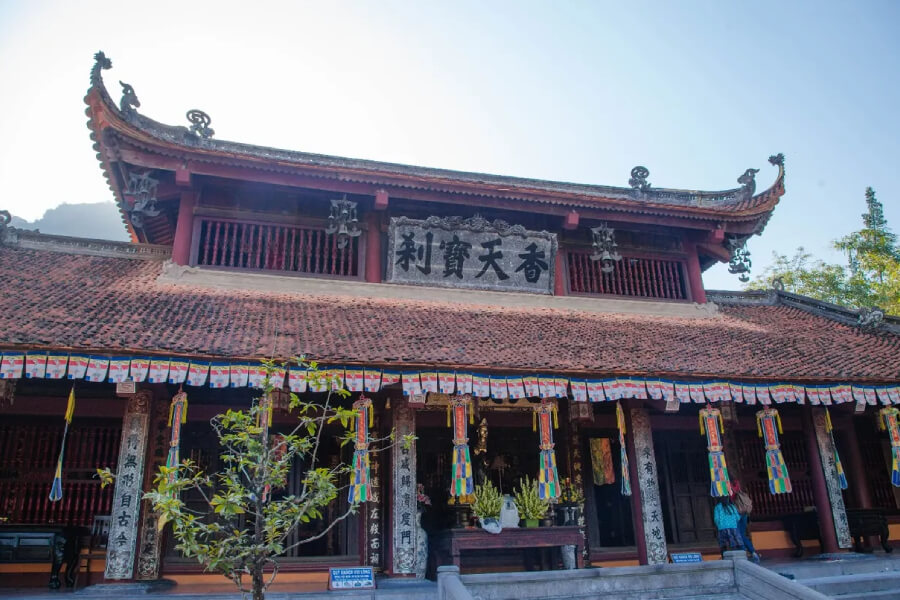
99, 220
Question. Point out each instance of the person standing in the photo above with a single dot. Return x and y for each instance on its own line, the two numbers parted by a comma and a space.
744, 506
726, 517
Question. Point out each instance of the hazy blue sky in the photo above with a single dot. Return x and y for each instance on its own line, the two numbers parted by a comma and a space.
575, 91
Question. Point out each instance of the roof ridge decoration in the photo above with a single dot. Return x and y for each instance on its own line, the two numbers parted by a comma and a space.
738, 203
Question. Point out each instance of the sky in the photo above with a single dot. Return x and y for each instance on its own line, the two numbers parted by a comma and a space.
574, 91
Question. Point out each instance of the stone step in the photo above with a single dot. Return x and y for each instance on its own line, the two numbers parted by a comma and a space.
847, 564
837, 586
882, 595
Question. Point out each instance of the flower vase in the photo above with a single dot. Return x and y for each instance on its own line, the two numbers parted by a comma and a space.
421, 548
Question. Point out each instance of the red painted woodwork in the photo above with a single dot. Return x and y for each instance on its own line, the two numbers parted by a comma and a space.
639, 277
753, 468
855, 468
269, 247
373, 248
559, 281
182, 178
181, 246
381, 200
29, 449
571, 221
820, 491
450, 543
695, 276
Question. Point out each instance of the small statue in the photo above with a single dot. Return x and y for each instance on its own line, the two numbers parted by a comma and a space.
481, 446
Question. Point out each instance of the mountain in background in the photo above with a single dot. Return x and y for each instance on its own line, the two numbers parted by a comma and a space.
100, 220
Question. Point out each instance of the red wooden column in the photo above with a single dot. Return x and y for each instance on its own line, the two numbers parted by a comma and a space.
695, 277
184, 228
559, 274
373, 248
856, 472
820, 491
637, 512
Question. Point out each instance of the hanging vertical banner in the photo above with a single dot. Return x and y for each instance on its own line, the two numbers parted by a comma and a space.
56, 365
711, 425
737, 392
177, 418
890, 422
119, 368
219, 375
77, 366
56, 490
481, 386
869, 393
159, 370
668, 390
412, 385
139, 368
297, 379
562, 387
579, 390
697, 396
813, 394
372, 380
459, 417
463, 383
429, 380
360, 482
683, 393
626, 475
35, 365
548, 476
197, 373
446, 382
768, 425
532, 388
762, 395
256, 375
546, 387
883, 396
842, 478
516, 387
178, 369
749, 393
654, 390
276, 377
499, 390
96, 370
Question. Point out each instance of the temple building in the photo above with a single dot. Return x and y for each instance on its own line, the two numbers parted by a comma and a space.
569, 321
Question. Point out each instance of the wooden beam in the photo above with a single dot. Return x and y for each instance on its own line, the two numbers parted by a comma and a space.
718, 252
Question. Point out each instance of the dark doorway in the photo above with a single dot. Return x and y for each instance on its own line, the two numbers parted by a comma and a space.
683, 465
611, 525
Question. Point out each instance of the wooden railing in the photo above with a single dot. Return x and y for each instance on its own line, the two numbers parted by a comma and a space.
640, 277
28, 454
267, 247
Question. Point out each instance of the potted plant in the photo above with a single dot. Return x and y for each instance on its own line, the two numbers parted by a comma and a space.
571, 499
531, 507
487, 505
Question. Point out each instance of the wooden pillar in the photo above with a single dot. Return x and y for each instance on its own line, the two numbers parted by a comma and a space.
820, 491
403, 497
123, 527
184, 229
695, 276
637, 513
559, 274
373, 248
856, 466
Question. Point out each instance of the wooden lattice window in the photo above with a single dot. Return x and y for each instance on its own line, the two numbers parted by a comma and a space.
269, 247
632, 276
29, 449
756, 482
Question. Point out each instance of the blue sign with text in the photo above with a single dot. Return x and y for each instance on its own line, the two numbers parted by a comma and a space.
351, 578
686, 557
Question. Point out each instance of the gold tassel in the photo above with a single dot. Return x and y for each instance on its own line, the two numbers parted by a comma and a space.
448, 415
471, 414
702, 425
759, 424
171, 411
371, 416
778, 419
721, 424
828, 425
534, 421
555, 418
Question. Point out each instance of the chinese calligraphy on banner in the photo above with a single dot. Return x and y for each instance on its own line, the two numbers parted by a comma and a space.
126, 506
470, 253
404, 474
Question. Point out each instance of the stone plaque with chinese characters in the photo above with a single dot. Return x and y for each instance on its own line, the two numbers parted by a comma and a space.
470, 253
404, 475
126, 506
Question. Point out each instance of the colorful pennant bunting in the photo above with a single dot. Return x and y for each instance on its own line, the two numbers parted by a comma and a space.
768, 425
119, 369
711, 425
459, 411
35, 365
139, 368
56, 365
626, 475
360, 484
372, 380
548, 476
219, 375
96, 370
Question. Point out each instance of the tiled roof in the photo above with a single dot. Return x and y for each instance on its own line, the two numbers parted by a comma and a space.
99, 303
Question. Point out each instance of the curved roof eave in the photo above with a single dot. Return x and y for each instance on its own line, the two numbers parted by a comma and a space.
734, 205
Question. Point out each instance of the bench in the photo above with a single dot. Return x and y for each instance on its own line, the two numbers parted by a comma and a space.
41, 544
866, 522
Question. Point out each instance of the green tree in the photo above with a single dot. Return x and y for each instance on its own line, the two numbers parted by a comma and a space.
245, 523
870, 278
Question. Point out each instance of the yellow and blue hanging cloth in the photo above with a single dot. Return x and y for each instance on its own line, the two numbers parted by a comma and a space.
842, 478
360, 484
626, 475
548, 476
56, 490
711, 425
459, 411
177, 418
768, 425
890, 421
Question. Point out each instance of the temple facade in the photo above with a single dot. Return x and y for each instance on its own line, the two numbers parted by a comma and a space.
568, 321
